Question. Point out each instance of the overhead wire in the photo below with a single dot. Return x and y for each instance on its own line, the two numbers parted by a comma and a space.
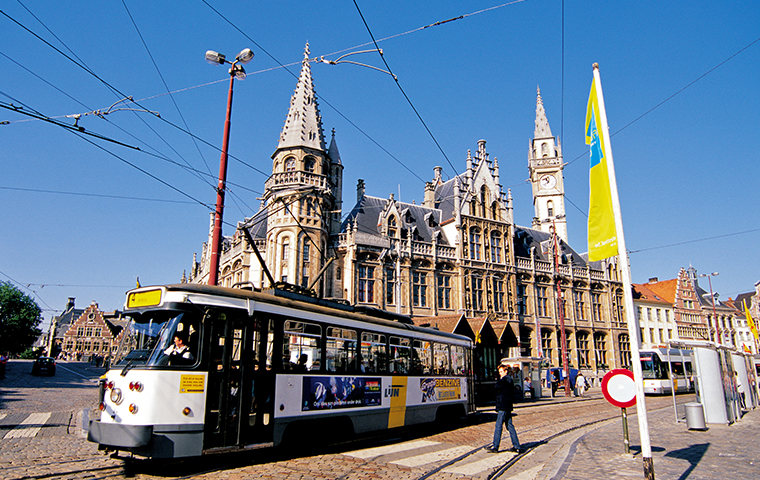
350, 122
166, 86
398, 84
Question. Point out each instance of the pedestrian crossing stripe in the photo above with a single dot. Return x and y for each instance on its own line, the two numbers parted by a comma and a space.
30, 427
431, 457
389, 449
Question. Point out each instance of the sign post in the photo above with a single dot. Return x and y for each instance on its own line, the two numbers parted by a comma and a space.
619, 389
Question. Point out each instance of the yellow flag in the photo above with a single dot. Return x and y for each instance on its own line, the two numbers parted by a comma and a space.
750, 322
602, 237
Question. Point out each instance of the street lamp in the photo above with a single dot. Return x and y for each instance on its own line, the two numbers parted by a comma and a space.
236, 71
715, 315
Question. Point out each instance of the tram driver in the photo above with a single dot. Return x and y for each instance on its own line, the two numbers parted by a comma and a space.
179, 353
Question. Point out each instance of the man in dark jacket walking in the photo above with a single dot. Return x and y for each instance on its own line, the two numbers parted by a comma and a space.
505, 388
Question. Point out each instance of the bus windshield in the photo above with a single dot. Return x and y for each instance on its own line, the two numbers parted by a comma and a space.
160, 338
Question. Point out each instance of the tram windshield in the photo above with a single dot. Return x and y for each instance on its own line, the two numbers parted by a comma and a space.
160, 338
652, 367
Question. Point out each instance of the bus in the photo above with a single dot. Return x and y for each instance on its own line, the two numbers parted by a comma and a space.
664, 367
259, 367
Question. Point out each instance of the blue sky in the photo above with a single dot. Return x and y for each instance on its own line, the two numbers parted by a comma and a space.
83, 218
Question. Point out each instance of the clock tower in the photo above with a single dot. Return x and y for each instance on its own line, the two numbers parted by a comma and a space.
545, 167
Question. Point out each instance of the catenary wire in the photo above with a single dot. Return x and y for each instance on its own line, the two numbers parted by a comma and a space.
398, 84
163, 80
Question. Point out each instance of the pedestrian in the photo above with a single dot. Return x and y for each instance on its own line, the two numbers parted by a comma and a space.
740, 391
555, 383
580, 384
504, 390
527, 387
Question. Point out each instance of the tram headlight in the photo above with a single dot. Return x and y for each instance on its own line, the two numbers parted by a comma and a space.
116, 396
132, 408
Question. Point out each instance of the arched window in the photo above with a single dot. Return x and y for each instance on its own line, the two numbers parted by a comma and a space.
290, 164
600, 349
475, 244
483, 200
545, 149
495, 247
392, 230
624, 345
309, 164
285, 256
550, 208
584, 353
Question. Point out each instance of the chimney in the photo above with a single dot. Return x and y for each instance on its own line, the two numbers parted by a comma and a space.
359, 190
429, 195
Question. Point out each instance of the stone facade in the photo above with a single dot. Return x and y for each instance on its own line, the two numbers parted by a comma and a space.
94, 333
459, 254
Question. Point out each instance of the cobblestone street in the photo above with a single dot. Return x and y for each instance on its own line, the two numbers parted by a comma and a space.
568, 438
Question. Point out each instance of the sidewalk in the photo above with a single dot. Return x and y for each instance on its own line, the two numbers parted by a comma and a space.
722, 451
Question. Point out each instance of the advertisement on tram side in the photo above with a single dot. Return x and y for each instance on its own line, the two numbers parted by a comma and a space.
440, 389
323, 393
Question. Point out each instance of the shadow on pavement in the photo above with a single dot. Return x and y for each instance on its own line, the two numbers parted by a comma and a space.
693, 454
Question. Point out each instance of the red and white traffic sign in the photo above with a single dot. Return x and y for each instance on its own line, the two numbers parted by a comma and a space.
619, 388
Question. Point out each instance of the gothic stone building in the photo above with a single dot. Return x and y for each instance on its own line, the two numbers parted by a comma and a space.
457, 253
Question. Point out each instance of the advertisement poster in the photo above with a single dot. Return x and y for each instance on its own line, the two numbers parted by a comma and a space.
323, 393
440, 389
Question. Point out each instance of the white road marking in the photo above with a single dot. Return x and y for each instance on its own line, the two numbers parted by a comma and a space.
399, 447
490, 462
29, 427
431, 457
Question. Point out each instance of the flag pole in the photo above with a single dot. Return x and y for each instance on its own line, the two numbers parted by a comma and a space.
625, 270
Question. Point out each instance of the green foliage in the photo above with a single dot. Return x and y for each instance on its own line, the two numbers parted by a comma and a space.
32, 353
19, 318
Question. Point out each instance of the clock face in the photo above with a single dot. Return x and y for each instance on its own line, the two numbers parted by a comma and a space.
547, 181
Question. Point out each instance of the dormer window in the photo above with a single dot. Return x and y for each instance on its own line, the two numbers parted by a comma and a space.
392, 230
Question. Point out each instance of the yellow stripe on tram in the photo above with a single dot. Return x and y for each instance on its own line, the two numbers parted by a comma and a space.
398, 402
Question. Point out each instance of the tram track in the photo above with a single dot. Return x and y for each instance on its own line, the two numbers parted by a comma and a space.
499, 471
538, 425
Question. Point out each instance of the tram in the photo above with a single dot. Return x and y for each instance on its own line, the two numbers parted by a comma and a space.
663, 368
226, 369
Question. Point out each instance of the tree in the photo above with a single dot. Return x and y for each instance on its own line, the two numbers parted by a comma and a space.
19, 318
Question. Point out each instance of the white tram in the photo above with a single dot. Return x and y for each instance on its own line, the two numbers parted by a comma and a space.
662, 368
264, 366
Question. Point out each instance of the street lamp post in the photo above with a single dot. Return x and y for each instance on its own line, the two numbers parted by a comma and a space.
712, 296
236, 71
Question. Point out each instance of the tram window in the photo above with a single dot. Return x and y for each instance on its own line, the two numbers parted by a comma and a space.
400, 355
421, 360
457, 359
301, 345
341, 350
374, 353
441, 359
677, 368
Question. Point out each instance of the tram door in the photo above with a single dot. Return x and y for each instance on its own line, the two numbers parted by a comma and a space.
257, 411
225, 362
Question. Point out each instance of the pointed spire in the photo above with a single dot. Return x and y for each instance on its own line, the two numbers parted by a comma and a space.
333, 152
542, 124
303, 126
